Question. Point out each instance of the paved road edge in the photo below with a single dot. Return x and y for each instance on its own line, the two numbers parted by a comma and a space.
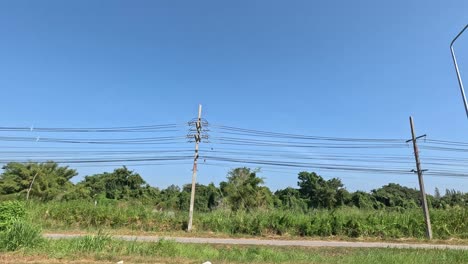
269, 242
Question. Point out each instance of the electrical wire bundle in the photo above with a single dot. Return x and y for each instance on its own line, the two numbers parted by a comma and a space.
227, 146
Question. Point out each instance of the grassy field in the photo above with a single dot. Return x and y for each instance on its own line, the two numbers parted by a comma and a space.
21, 240
103, 249
345, 222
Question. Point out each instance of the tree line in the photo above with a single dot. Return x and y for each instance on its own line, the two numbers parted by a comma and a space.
243, 189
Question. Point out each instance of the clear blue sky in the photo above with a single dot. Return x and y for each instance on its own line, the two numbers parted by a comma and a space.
331, 68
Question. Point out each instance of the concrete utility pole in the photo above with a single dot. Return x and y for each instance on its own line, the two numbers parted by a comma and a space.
421, 181
194, 172
460, 83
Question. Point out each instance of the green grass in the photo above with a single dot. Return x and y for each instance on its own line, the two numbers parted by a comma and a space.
104, 248
343, 222
9, 211
15, 231
20, 234
21, 241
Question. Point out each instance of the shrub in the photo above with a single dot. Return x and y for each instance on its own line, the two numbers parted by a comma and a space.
10, 211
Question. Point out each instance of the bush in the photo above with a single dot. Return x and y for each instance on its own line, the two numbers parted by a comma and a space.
10, 211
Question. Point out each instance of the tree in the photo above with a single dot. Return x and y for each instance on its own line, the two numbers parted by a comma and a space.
207, 197
122, 183
321, 193
395, 195
243, 190
363, 200
342, 196
437, 193
51, 181
455, 198
291, 199
169, 198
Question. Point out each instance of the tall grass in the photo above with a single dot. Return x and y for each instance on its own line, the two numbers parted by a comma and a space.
102, 248
76, 214
20, 234
346, 222
15, 231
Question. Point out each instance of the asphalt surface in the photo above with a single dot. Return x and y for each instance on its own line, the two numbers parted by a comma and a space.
270, 242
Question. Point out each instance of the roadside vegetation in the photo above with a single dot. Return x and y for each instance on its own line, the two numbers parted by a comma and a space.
21, 242
341, 222
104, 249
241, 205
16, 231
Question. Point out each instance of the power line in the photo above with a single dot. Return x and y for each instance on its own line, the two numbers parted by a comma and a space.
323, 146
148, 140
252, 132
232, 145
147, 128
102, 160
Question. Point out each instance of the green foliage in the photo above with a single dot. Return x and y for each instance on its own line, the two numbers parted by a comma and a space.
291, 199
170, 198
319, 192
15, 231
20, 234
364, 200
241, 205
395, 195
345, 221
109, 214
120, 184
243, 190
78, 192
51, 181
207, 197
10, 211
451, 198
167, 251
91, 243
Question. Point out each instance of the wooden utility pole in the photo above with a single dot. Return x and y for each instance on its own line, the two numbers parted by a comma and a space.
421, 181
194, 172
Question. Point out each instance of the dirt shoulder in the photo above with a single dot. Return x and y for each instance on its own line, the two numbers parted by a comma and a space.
183, 234
270, 242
